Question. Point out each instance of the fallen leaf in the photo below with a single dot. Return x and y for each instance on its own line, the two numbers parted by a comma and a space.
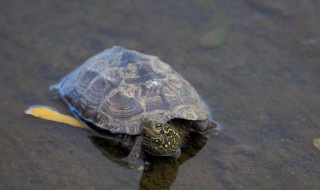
316, 143
215, 37
45, 112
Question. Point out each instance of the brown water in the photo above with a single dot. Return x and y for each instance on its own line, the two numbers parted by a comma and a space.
261, 82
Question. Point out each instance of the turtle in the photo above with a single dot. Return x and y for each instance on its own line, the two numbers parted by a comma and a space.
137, 98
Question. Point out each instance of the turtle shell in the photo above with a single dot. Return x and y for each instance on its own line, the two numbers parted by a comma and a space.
117, 87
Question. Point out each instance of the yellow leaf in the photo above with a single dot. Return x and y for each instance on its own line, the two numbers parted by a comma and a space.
47, 113
316, 143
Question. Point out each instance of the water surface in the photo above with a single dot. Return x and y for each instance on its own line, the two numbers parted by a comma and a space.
261, 82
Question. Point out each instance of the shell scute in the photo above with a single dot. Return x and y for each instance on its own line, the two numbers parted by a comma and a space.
121, 106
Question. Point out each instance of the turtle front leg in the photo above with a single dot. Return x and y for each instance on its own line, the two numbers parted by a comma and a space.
135, 158
203, 126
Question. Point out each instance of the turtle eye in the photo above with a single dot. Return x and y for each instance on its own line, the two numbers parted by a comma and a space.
158, 126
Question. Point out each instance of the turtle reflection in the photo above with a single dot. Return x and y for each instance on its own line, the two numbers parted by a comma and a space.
159, 171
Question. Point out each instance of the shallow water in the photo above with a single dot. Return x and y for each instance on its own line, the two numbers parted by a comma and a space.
261, 83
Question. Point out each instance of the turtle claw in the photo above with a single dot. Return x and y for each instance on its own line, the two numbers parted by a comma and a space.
134, 162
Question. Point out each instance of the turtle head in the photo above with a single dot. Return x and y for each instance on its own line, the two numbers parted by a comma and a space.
160, 138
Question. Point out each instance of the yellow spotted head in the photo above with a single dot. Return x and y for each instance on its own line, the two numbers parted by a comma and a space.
160, 138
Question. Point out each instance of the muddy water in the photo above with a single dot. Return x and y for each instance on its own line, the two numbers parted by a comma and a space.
260, 79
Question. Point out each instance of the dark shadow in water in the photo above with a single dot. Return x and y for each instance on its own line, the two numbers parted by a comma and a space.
159, 172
